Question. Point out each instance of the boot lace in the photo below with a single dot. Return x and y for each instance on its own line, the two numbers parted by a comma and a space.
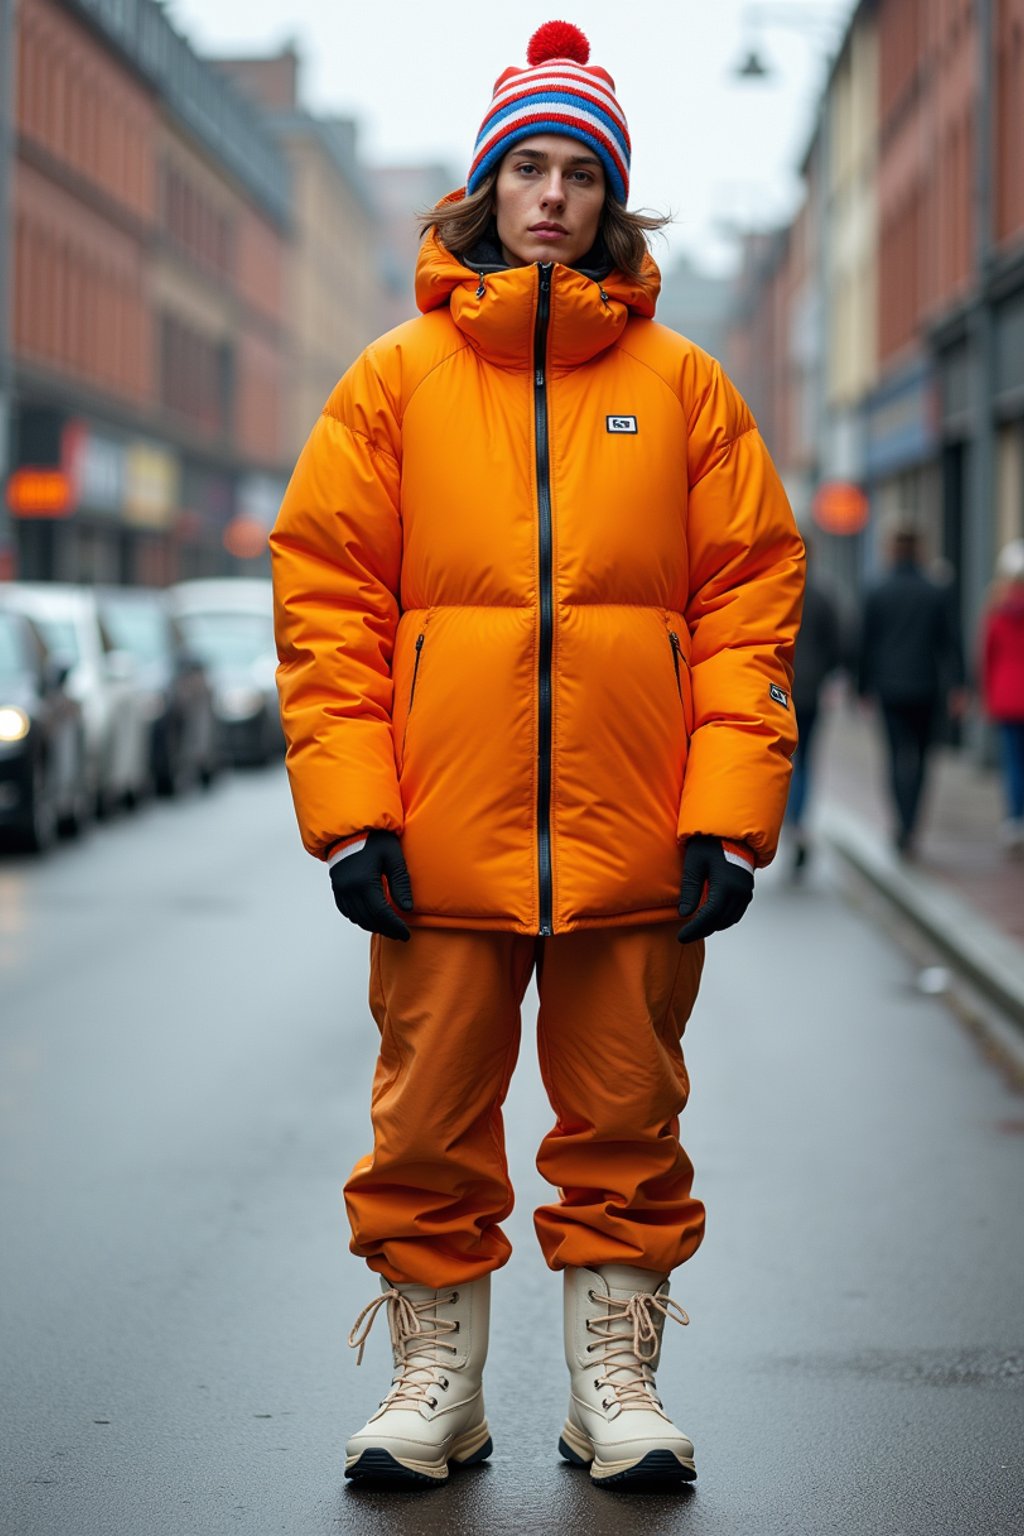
414, 1332
628, 1341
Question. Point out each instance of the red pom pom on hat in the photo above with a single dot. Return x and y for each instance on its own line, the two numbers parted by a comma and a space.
559, 92
558, 40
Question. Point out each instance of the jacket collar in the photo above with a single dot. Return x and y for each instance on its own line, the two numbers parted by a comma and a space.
495, 306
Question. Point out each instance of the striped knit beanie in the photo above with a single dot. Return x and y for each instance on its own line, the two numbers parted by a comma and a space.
556, 93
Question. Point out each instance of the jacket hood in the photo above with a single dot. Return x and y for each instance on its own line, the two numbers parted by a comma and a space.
495, 306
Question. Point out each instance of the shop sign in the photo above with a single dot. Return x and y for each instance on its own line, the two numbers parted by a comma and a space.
40, 492
259, 497
151, 481
96, 467
902, 423
840, 508
246, 538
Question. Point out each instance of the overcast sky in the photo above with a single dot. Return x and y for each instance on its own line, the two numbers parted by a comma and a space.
713, 151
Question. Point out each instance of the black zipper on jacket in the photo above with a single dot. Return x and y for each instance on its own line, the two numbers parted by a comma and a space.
416, 670
676, 653
412, 689
540, 422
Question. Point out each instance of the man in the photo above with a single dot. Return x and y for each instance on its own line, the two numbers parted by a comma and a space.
911, 662
537, 587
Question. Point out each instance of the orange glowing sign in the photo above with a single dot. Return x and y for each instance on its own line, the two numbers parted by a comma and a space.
40, 493
841, 508
245, 538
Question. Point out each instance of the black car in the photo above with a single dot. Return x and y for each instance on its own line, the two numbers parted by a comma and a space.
177, 697
43, 780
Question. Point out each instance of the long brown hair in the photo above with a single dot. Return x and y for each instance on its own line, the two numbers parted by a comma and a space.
460, 225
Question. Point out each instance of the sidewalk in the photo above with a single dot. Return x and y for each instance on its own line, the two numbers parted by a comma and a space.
962, 889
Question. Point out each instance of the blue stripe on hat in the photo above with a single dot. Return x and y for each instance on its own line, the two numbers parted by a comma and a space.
569, 99
502, 146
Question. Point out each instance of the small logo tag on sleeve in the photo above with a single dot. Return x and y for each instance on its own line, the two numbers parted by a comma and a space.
621, 423
779, 695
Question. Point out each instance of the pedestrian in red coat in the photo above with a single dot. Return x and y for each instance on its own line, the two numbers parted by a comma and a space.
1003, 681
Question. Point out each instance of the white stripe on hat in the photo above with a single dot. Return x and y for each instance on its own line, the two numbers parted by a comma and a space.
558, 108
557, 77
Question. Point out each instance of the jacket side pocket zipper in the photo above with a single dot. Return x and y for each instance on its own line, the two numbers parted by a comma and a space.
420, 638
677, 652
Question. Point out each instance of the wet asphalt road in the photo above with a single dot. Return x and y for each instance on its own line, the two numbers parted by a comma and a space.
185, 1057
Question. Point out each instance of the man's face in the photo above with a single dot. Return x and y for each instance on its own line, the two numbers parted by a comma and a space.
550, 192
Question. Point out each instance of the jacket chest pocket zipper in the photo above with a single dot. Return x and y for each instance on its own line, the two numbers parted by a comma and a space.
420, 638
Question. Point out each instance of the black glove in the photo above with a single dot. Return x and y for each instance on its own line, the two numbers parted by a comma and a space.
359, 889
730, 888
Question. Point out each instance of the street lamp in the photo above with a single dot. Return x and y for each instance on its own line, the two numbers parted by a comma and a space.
752, 68
821, 25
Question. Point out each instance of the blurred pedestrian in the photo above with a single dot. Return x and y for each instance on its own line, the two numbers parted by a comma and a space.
1002, 653
534, 564
911, 663
819, 652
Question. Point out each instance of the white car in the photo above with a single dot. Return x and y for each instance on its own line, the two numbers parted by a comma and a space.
105, 682
229, 625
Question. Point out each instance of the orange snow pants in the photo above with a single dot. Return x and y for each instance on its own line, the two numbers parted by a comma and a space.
425, 1206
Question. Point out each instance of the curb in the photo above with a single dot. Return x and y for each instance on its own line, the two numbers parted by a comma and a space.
990, 959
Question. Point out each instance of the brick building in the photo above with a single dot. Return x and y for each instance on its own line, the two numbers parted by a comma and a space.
915, 227
400, 193
335, 294
149, 222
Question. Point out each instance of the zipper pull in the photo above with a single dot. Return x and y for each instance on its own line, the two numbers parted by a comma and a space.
480, 287
677, 653
604, 296
545, 277
538, 378
419, 643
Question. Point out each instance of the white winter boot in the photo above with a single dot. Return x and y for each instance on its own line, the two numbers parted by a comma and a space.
614, 1319
434, 1412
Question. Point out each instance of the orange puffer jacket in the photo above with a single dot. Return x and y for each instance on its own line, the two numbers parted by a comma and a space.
537, 587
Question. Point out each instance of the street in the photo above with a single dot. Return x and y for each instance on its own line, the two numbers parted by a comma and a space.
185, 1059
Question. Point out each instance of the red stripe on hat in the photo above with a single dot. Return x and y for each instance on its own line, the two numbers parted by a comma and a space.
526, 80
513, 97
548, 113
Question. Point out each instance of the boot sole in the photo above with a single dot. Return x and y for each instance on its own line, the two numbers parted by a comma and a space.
656, 1469
377, 1464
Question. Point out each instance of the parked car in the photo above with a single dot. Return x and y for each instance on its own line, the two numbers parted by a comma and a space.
43, 784
177, 697
230, 625
104, 681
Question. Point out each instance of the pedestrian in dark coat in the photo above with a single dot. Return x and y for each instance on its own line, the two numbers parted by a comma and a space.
1002, 667
819, 652
911, 663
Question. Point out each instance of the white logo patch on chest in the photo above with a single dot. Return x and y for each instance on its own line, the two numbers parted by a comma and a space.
621, 423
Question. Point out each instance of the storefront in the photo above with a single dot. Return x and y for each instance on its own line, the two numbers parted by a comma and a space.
91, 503
1009, 413
902, 460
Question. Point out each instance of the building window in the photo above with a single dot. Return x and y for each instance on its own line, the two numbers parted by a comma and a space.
196, 376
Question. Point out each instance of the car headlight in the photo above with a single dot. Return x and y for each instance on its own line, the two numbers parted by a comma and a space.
240, 703
14, 723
